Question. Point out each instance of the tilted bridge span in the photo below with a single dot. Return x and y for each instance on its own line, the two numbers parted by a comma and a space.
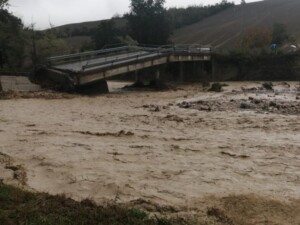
81, 69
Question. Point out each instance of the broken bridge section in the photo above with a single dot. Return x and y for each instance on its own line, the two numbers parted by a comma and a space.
90, 68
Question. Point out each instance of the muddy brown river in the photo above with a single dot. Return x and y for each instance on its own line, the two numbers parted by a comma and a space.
185, 147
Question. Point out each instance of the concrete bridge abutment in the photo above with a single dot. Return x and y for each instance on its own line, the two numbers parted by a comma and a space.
97, 87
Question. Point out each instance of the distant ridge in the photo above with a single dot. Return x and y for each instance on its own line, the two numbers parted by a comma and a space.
119, 22
224, 29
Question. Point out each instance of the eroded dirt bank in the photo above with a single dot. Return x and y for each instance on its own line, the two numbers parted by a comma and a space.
189, 151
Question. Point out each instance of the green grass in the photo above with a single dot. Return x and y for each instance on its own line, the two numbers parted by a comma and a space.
21, 207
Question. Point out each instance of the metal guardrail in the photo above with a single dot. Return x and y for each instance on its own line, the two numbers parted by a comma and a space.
55, 58
143, 52
155, 52
128, 47
110, 63
96, 54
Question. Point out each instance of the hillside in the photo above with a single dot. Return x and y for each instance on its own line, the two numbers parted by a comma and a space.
87, 28
223, 30
79, 34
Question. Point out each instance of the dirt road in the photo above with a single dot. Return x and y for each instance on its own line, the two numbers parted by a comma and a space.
184, 148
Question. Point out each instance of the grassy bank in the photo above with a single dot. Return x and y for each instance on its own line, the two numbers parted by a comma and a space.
21, 207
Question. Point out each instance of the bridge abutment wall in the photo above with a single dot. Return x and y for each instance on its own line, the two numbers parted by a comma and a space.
260, 67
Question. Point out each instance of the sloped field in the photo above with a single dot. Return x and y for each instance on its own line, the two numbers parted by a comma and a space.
225, 28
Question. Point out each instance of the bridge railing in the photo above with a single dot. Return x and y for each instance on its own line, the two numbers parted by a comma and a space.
110, 63
142, 51
147, 53
56, 60
87, 55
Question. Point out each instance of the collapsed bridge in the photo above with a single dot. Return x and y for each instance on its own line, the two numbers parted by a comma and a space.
76, 70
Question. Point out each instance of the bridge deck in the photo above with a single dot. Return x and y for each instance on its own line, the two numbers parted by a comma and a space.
79, 65
97, 65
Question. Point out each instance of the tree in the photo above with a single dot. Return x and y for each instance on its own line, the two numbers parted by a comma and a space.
279, 34
50, 45
180, 17
243, 2
148, 22
3, 4
12, 41
106, 34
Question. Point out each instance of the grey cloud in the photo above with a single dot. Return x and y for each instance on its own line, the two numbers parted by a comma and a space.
59, 12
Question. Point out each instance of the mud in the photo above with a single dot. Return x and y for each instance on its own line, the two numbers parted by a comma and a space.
251, 209
45, 94
283, 99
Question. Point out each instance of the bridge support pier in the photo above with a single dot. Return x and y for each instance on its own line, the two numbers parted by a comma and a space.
99, 87
181, 71
138, 77
157, 75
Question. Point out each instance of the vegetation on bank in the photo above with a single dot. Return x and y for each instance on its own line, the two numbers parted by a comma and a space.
260, 64
262, 38
21, 207
12, 38
263, 54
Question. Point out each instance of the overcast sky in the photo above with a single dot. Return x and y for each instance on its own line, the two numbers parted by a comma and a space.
59, 12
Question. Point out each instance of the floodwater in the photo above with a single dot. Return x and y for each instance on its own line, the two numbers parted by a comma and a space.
178, 147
